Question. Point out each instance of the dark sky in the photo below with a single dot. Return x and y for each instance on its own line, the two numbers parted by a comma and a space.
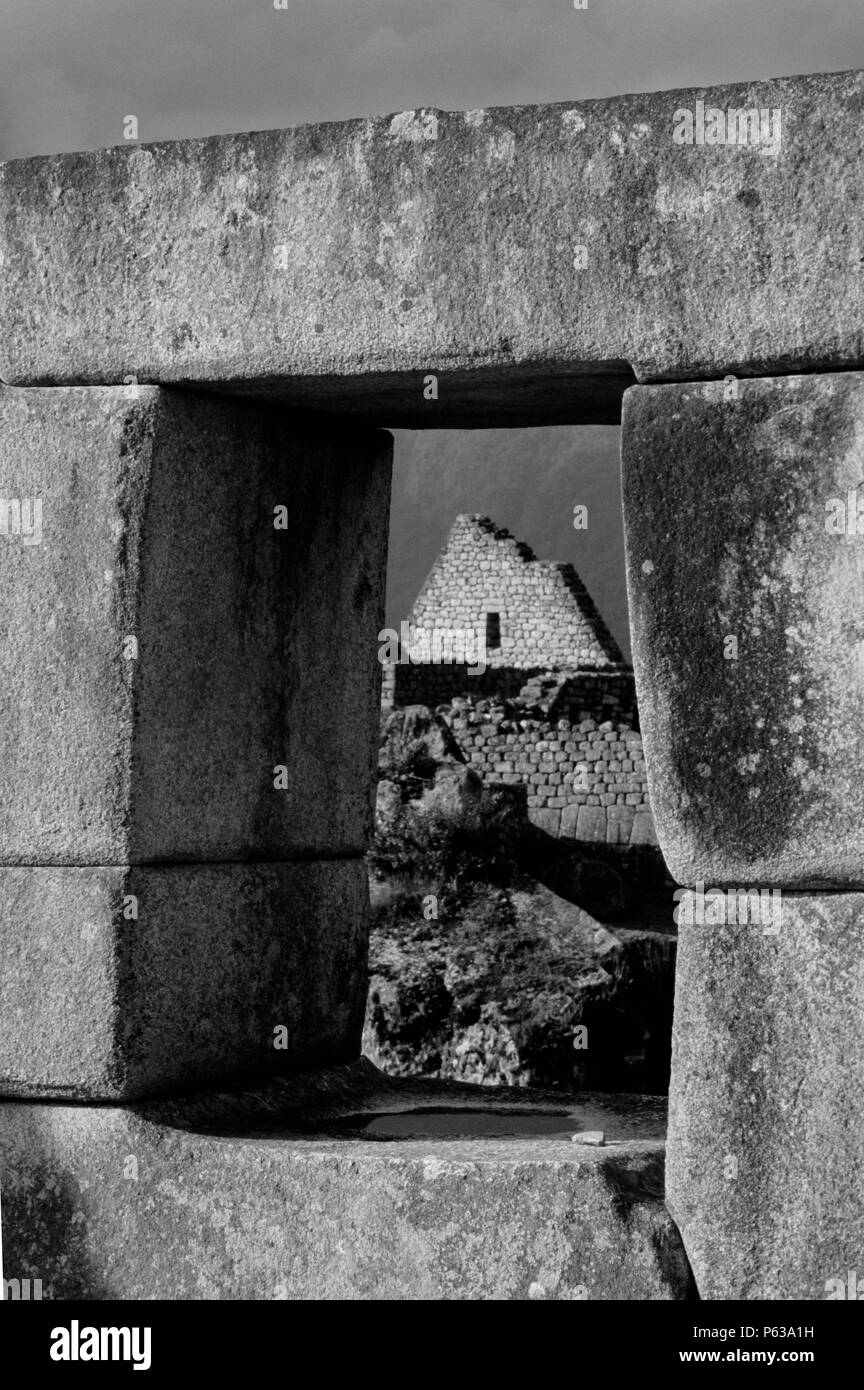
71, 70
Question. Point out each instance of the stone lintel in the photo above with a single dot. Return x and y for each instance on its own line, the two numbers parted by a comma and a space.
535, 259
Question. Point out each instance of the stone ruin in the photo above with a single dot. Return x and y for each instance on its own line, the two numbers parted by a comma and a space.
569, 731
200, 341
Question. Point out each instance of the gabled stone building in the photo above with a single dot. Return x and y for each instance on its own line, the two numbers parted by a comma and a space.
487, 596
515, 655
529, 612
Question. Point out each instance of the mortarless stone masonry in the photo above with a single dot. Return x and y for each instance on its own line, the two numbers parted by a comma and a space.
538, 261
335, 265
748, 592
584, 781
764, 1169
269, 1194
165, 646
125, 982
569, 733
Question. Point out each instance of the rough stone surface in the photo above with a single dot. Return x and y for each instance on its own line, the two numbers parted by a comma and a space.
560, 766
414, 740
764, 1172
518, 988
526, 255
276, 1195
754, 751
99, 1005
255, 645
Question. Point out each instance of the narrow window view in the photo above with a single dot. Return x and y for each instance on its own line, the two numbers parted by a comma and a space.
522, 916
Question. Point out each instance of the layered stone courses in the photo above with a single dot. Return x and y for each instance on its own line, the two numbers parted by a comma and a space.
602, 693
584, 782
562, 717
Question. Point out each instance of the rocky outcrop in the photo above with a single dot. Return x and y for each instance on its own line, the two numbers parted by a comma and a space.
497, 991
489, 958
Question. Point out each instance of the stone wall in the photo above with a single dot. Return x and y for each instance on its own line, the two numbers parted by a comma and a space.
585, 781
572, 738
575, 696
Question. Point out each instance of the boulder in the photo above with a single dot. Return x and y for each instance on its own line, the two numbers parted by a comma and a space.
413, 741
492, 988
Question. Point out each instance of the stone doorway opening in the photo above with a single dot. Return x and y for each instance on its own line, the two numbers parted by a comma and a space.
522, 928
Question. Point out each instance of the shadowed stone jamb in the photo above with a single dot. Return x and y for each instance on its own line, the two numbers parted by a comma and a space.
166, 646
744, 574
748, 638
537, 259
189, 684
766, 1108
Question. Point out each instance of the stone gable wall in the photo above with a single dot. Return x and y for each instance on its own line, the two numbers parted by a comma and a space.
547, 618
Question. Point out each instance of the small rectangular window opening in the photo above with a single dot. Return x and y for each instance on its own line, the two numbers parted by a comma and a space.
493, 632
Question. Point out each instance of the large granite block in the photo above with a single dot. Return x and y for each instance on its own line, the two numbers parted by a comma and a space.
166, 647
745, 575
766, 1126
280, 1195
124, 982
534, 258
